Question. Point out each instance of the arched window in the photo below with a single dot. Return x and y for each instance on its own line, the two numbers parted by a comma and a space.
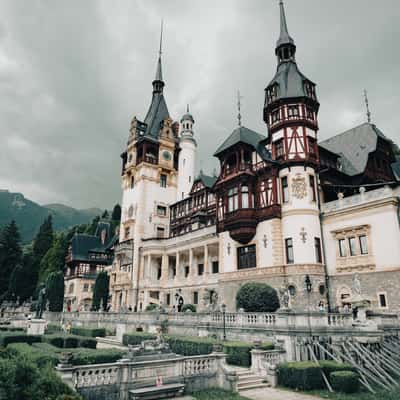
245, 197
132, 183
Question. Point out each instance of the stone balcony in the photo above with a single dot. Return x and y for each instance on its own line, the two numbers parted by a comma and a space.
363, 198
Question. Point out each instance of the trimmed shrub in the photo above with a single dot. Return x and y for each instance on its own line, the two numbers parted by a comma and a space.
136, 338
303, 375
344, 381
239, 353
190, 346
188, 307
332, 366
11, 329
91, 332
70, 341
257, 297
53, 328
89, 356
38, 356
17, 337
151, 307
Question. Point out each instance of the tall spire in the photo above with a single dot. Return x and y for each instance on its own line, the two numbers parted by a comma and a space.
239, 116
158, 83
285, 47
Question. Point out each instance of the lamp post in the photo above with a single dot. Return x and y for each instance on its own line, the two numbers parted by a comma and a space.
223, 307
308, 285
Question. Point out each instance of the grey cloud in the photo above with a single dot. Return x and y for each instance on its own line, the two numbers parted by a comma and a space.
73, 74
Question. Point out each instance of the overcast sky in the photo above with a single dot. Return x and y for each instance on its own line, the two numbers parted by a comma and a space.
74, 73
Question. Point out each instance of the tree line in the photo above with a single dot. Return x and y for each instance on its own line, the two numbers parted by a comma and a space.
24, 271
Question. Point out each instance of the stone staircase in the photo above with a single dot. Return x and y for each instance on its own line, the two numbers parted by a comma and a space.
247, 380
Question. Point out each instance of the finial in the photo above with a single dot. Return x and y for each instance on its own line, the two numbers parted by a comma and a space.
239, 97
367, 106
187, 108
284, 37
159, 67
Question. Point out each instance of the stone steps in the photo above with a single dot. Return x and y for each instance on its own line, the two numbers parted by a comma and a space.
247, 380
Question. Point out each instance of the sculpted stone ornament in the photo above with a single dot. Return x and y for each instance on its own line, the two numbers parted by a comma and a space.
41, 304
356, 286
284, 298
299, 187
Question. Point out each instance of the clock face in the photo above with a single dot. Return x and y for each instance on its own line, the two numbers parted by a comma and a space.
166, 155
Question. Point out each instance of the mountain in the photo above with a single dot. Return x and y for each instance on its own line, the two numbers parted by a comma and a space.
30, 215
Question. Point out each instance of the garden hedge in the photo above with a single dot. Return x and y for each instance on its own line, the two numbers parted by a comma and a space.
17, 337
39, 356
11, 329
304, 375
344, 381
136, 338
91, 332
89, 356
188, 307
332, 366
69, 341
239, 353
191, 346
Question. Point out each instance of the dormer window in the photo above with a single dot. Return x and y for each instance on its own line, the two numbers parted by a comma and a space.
310, 113
272, 94
309, 89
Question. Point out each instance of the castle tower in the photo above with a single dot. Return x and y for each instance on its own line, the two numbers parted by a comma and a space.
187, 156
149, 184
290, 112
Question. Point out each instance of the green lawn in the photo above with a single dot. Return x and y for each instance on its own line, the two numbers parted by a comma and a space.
217, 394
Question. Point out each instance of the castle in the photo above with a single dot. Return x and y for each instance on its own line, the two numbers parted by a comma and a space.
284, 209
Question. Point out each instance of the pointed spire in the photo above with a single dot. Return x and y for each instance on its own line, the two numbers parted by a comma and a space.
187, 108
284, 37
159, 69
239, 116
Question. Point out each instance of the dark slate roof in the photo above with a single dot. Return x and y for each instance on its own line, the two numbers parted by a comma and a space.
290, 81
82, 244
207, 180
245, 135
354, 147
158, 111
396, 170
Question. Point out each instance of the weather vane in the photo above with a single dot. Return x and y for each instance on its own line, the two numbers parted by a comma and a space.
239, 97
367, 105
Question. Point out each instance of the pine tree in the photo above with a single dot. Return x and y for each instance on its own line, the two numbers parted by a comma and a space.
10, 254
105, 214
55, 291
91, 229
116, 213
41, 245
54, 259
100, 291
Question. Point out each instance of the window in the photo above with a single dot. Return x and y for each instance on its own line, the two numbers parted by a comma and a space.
215, 267
162, 211
321, 289
311, 146
352, 246
158, 273
245, 197
279, 149
160, 232
71, 288
289, 251
363, 244
232, 199
195, 297
342, 248
285, 189
293, 111
292, 290
275, 116
168, 299
247, 257
132, 184
190, 179
382, 300
310, 113
187, 271
86, 287
200, 269
318, 252
312, 187
127, 232
163, 181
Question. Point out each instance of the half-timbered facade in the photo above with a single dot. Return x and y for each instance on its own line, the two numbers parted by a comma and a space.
284, 207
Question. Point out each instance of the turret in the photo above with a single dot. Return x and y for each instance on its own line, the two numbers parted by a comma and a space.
187, 156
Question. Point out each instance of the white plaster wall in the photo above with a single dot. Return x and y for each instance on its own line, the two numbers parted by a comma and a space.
187, 162
384, 240
228, 259
264, 254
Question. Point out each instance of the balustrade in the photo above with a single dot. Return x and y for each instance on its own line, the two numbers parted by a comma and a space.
199, 365
95, 376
